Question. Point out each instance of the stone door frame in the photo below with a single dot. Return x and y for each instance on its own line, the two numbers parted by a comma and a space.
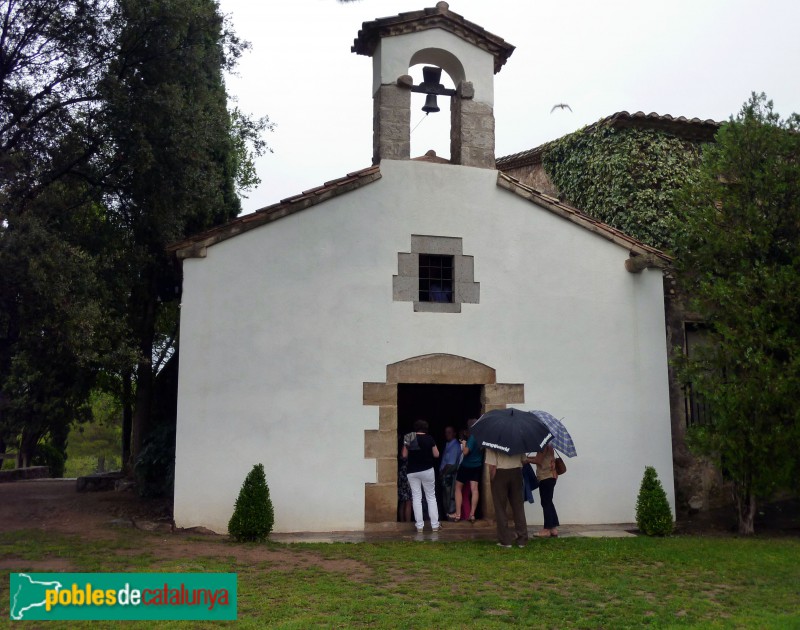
380, 498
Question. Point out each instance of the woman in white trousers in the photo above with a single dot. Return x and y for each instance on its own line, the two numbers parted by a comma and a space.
421, 451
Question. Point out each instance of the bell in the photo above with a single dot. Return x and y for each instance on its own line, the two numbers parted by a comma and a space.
430, 81
430, 106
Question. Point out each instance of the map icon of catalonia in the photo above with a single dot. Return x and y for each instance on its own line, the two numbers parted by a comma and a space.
29, 593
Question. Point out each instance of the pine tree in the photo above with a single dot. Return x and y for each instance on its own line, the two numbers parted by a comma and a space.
653, 515
253, 515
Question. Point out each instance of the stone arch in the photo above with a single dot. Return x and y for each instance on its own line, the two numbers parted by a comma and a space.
442, 58
380, 498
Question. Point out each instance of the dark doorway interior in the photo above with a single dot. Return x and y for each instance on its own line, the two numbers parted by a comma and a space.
441, 406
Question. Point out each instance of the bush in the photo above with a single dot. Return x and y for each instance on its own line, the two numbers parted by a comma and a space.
253, 516
51, 456
653, 516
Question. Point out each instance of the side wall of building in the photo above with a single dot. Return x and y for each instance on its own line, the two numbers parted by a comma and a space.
698, 485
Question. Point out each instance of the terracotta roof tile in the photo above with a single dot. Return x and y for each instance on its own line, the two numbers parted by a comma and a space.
195, 246
693, 129
439, 16
431, 156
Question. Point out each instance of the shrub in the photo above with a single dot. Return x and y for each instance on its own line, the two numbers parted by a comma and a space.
653, 516
47, 454
253, 516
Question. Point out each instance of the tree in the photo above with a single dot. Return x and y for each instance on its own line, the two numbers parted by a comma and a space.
51, 51
253, 514
653, 515
115, 140
179, 158
738, 254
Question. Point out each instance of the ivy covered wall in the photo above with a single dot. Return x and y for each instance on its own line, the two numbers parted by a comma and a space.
625, 177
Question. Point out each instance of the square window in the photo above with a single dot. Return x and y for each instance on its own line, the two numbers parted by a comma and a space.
435, 278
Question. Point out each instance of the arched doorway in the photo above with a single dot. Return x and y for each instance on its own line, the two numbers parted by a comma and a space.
380, 498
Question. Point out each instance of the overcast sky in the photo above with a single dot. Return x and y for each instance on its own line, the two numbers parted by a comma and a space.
693, 58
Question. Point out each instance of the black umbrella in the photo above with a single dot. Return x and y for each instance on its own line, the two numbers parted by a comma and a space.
511, 431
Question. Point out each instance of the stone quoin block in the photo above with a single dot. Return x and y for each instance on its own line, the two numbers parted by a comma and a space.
391, 123
440, 245
468, 292
387, 419
464, 268
503, 394
380, 394
380, 502
386, 469
405, 288
407, 265
379, 444
442, 369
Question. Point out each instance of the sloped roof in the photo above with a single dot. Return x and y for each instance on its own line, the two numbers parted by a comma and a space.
635, 247
693, 129
439, 16
195, 246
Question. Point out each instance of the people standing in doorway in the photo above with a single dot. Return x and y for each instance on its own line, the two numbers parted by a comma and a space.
546, 474
469, 473
505, 472
421, 451
403, 489
451, 456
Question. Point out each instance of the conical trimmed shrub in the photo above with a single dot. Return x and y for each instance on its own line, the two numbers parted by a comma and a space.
653, 516
253, 516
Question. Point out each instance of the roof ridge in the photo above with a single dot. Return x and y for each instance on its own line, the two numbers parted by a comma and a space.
439, 16
688, 128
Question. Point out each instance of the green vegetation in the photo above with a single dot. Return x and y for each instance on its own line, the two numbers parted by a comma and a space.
566, 583
738, 255
653, 516
95, 446
115, 140
253, 514
628, 178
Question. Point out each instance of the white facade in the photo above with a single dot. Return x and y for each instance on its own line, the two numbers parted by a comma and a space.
282, 325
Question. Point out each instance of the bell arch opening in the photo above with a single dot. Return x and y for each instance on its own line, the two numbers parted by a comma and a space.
430, 131
444, 59
380, 497
433, 131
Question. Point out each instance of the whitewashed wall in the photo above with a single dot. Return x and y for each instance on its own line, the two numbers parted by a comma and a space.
280, 327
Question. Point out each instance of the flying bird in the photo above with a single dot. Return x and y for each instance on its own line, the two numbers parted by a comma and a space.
560, 106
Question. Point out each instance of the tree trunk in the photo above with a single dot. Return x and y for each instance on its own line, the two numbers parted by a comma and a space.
127, 422
745, 510
27, 448
144, 379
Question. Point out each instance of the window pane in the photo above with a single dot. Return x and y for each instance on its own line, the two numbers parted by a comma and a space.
435, 278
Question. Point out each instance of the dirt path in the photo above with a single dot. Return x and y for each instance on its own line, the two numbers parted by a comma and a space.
55, 506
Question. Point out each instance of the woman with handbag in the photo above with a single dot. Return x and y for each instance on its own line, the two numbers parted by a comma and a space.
421, 451
547, 475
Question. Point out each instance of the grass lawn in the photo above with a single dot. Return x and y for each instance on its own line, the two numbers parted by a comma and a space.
575, 582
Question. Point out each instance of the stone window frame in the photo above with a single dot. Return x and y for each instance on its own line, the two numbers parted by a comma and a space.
405, 285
